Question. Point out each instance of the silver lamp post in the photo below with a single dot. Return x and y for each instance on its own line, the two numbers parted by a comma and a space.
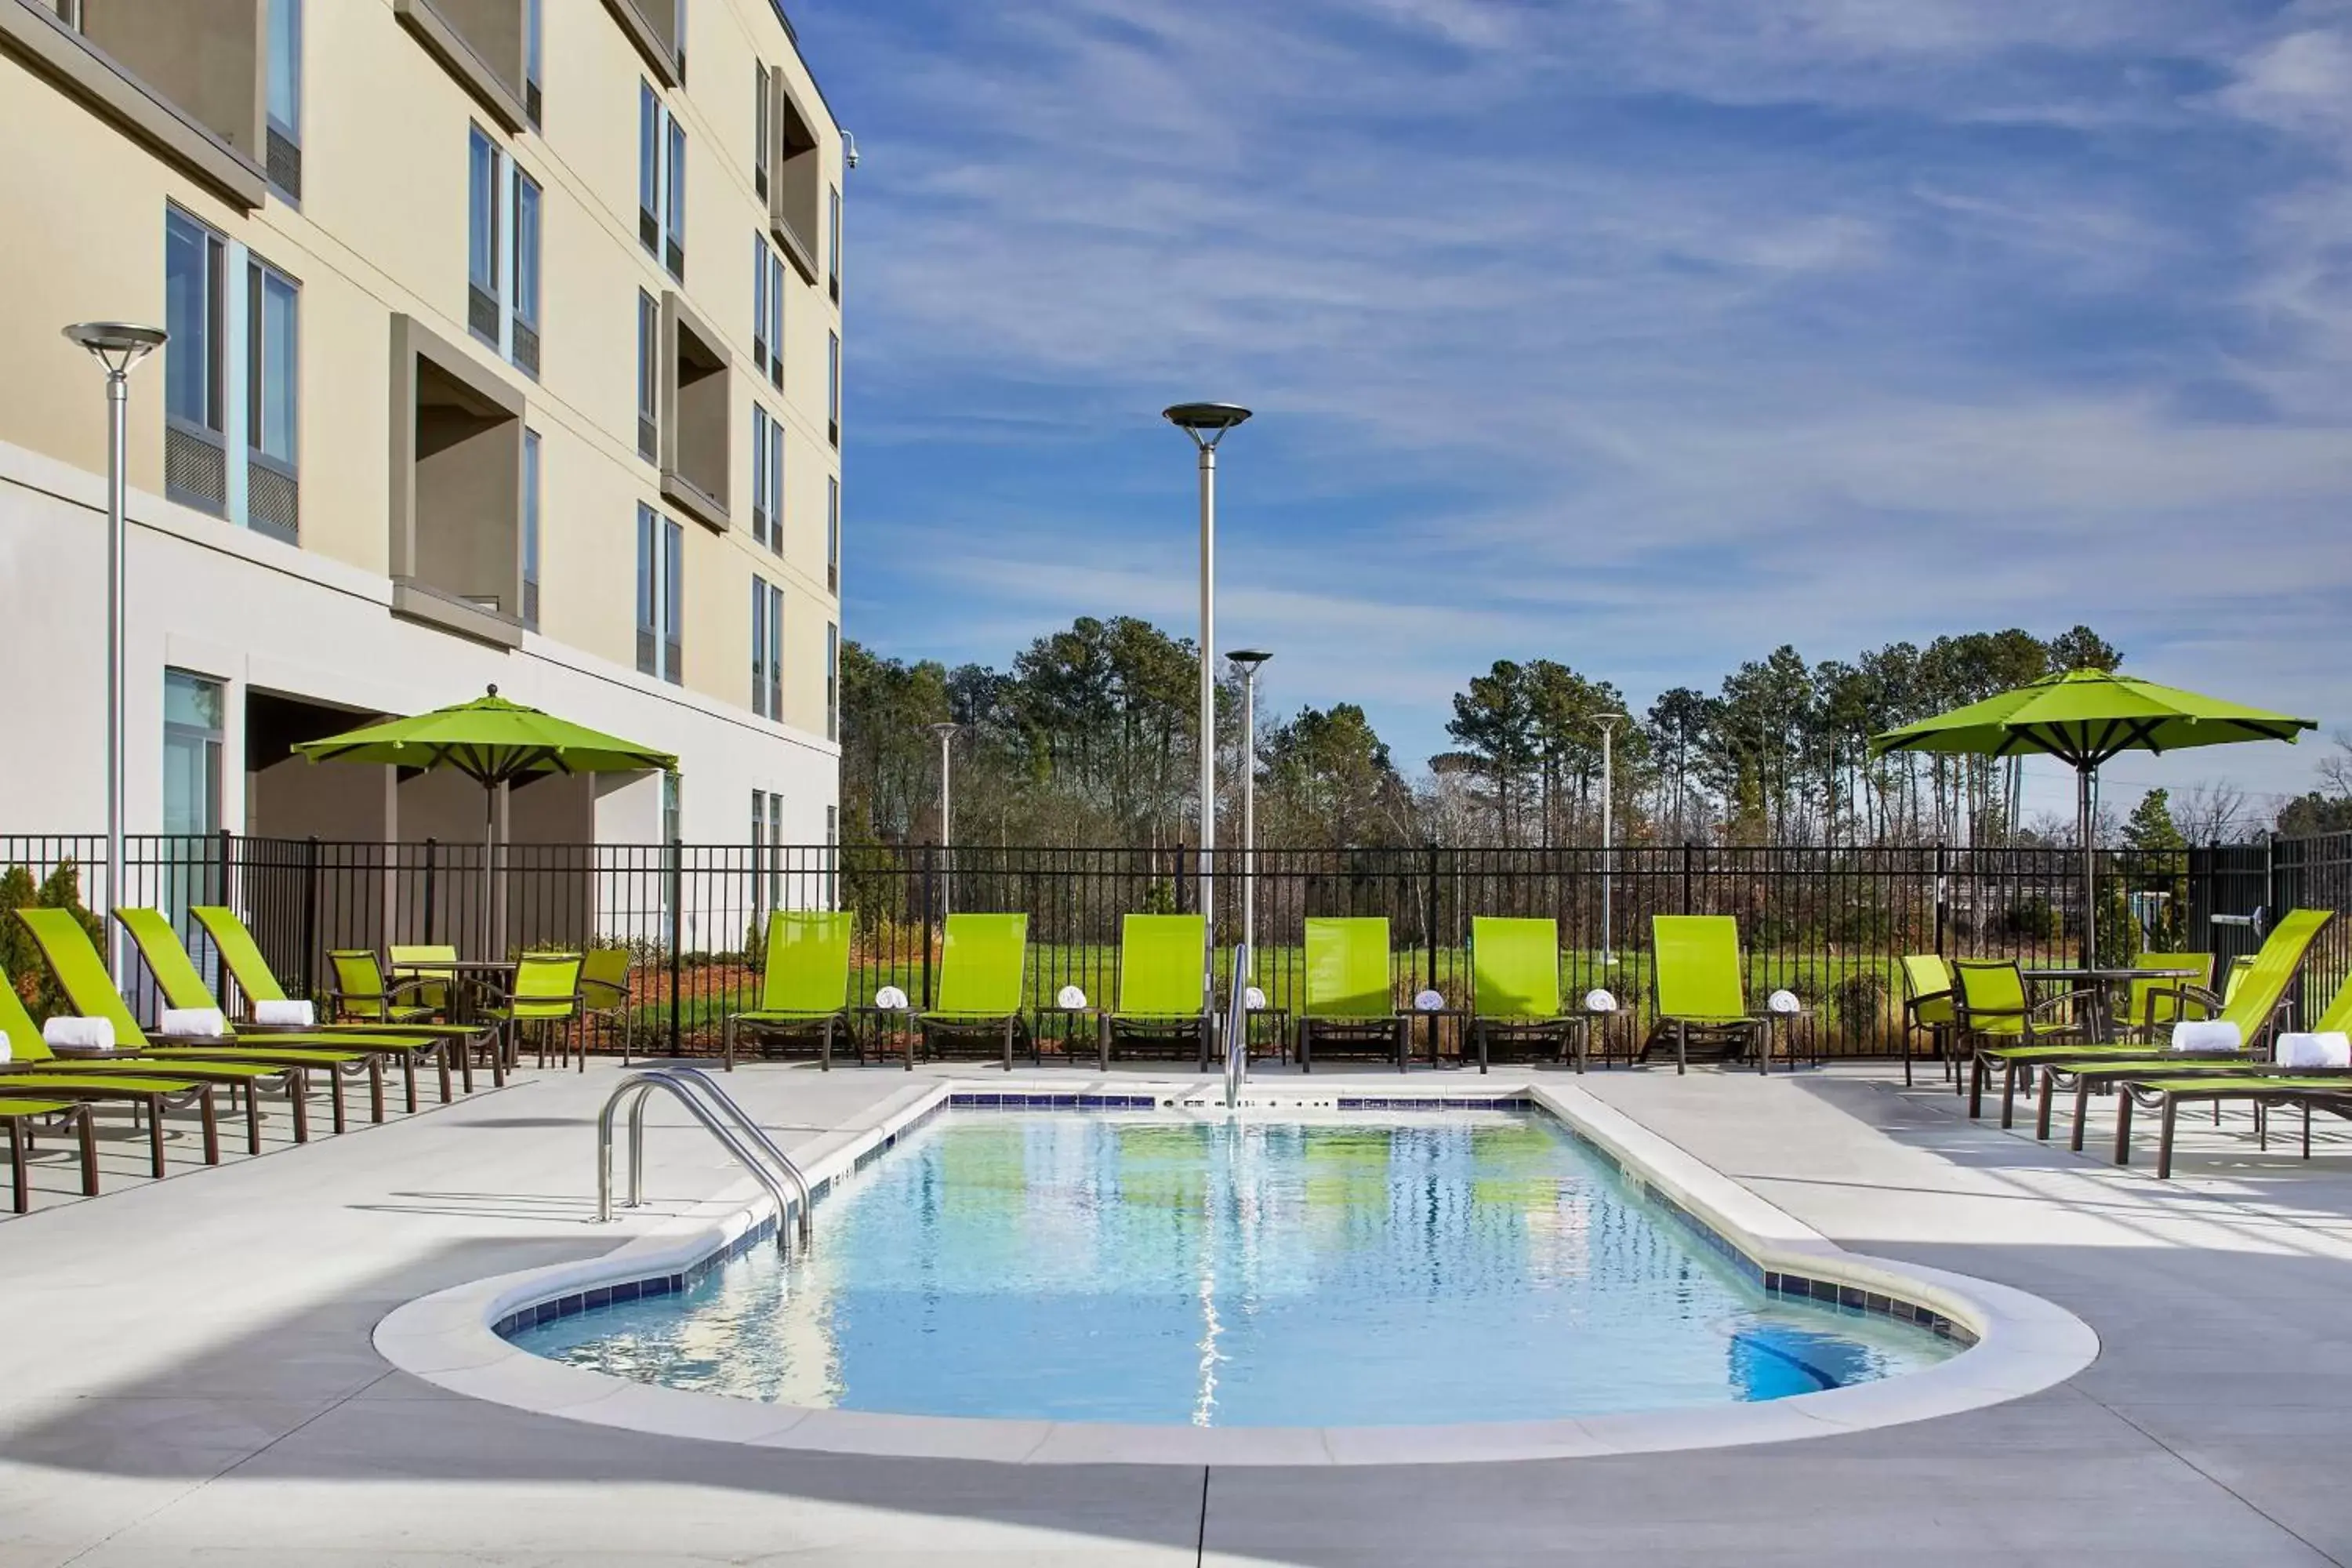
1247, 660
1608, 722
947, 734
117, 346
1207, 424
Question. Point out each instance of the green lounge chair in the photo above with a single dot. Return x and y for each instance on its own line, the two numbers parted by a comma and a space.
1349, 1006
1163, 988
2255, 1006
33, 1070
803, 984
22, 1116
1927, 1009
182, 985
981, 961
1515, 1001
546, 993
1698, 986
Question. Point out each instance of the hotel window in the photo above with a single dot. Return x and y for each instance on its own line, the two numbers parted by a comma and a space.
273, 388
832, 240
282, 157
760, 303
673, 812
832, 387
767, 649
192, 740
661, 549
661, 182
531, 529
534, 58
767, 480
764, 122
768, 310
649, 377
526, 272
482, 236
195, 364
831, 534
832, 681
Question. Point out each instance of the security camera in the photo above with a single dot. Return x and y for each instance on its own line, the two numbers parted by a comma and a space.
849, 144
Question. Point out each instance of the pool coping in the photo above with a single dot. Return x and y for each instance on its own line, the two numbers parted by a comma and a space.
2021, 1344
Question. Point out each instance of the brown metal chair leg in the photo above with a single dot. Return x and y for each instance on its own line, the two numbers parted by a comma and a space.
86, 1126
20, 1153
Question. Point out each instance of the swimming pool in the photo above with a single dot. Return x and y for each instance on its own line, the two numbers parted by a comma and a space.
1293, 1269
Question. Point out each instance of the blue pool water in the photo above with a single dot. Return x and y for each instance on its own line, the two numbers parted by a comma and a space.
1454, 1266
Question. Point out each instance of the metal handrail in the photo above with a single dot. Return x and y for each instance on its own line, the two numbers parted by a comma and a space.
634, 1089
725, 1105
1237, 1028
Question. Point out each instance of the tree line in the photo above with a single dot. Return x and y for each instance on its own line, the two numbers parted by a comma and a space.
1088, 739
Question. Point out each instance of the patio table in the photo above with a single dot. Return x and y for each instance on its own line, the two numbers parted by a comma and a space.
2098, 977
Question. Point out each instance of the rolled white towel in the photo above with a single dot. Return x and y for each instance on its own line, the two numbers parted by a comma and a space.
285, 1015
2212, 1037
1070, 997
84, 1035
1427, 1001
890, 999
191, 1024
1254, 999
2328, 1051
1598, 1001
1784, 1002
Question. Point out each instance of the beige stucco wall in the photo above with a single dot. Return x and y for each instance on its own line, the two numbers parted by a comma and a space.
380, 230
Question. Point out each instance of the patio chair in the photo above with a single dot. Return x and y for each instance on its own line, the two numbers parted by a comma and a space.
982, 962
1997, 1021
803, 986
24, 1117
546, 994
1927, 1010
431, 964
2260, 997
1348, 1007
182, 985
2153, 1005
604, 974
1698, 985
1163, 988
1515, 1003
363, 995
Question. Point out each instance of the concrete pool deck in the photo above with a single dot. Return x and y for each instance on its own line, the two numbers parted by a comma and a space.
192, 1378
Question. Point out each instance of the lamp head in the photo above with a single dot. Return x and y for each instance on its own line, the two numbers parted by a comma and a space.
1606, 720
1206, 423
1249, 658
943, 730
117, 345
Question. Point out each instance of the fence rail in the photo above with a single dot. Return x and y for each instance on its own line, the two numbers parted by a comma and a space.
1828, 923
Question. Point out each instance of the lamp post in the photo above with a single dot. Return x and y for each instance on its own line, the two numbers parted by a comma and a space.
117, 346
1608, 722
1207, 424
947, 734
1247, 660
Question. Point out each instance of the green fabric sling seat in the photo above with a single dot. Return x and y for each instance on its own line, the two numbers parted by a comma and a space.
1697, 984
1348, 1005
604, 990
2154, 1005
803, 986
1927, 1009
2255, 1005
430, 968
1163, 988
22, 1116
32, 1068
364, 994
182, 985
545, 992
1514, 1002
981, 961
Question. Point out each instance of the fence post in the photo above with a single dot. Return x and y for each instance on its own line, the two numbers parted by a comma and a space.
928, 917
676, 943
1686, 877
2270, 883
1431, 920
1943, 901
226, 840
1180, 884
432, 853
310, 917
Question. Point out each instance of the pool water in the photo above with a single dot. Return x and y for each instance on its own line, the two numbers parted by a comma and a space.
1446, 1267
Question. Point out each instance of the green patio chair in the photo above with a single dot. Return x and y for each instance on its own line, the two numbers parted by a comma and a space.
982, 962
1515, 1001
803, 984
1999, 1022
182, 984
2153, 1005
1348, 1007
430, 964
1163, 988
362, 993
1698, 986
545, 993
1927, 1010
605, 992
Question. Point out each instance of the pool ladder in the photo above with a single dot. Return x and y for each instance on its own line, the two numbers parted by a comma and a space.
1237, 1028
723, 1120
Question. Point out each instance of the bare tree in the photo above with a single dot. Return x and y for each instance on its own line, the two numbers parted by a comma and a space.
2212, 811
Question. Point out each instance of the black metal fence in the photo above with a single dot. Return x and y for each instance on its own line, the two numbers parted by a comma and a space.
1829, 924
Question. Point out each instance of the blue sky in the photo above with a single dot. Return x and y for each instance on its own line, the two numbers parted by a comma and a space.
1641, 334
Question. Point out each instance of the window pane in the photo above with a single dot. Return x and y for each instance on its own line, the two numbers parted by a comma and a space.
188, 317
758, 302
648, 150
526, 257
776, 654
776, 486
831, 530
648, 353
530, 527
833, 379
286, 66
775, 318
276, 364
648, 583
833, 237
482, 214
674, 603
759, 648
191, 752
533, 27
676, 214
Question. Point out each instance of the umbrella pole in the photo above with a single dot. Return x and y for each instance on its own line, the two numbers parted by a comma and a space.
2083, 776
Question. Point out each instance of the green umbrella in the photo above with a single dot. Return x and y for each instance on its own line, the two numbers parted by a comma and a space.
491, 741
2082, 718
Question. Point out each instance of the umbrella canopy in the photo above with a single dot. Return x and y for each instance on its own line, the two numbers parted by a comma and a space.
490, 739
2084, 717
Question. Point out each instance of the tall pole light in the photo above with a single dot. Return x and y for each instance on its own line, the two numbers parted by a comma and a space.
1247, 660
947, 734
1608, 722
117, 346
1207, 424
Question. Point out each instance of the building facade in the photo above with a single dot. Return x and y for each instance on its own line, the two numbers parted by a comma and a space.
505, 348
